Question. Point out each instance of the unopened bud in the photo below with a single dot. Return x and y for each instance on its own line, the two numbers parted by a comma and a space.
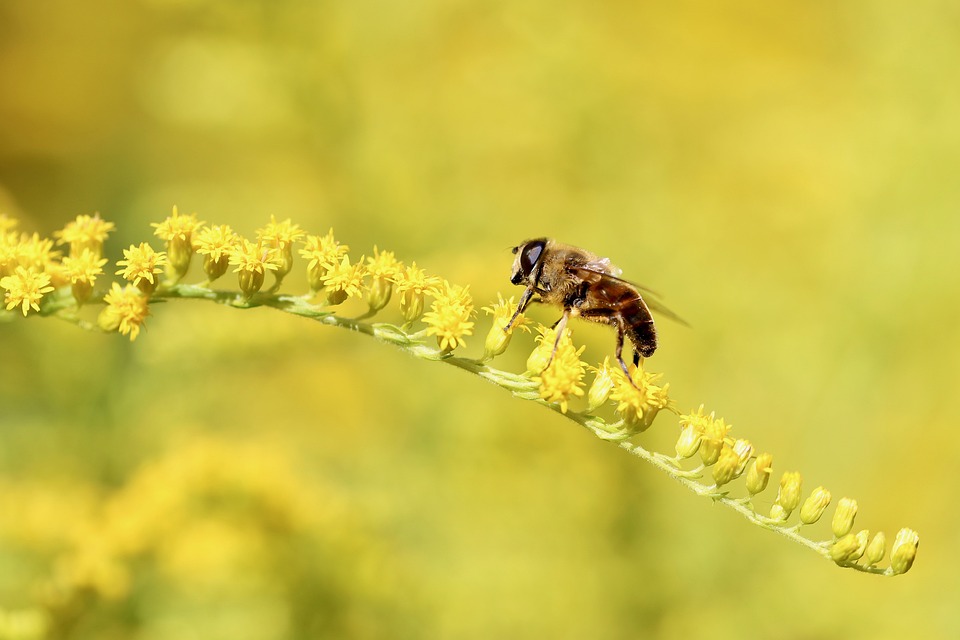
844, 550
759, 473
904, 550
844, 516
814, 506
876, 549
601, 388
411, 305
380, 291
744, 450
789, 496
725, 469
689, 441
250, 281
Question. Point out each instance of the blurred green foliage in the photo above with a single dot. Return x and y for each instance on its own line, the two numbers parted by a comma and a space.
785, 173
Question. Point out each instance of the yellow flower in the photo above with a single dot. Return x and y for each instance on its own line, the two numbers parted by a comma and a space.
126, 311
82, 272
252, 262
281, 236
344, 281
214, 244
498, 337
178, 232
25, 289
639, 403
34, 252
788, 498
383, 268
323, 253
449, 316
85, 232
714, 434
563, 378
412, 284
540, 357
141, 265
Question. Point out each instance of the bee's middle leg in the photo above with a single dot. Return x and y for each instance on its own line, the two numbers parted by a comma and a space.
560, 325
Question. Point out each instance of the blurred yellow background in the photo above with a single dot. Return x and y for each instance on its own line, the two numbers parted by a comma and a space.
786, 174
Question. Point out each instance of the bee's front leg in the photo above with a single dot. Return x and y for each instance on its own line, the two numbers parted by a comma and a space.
525, 301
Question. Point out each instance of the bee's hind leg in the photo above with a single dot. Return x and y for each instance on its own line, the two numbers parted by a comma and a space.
619, 355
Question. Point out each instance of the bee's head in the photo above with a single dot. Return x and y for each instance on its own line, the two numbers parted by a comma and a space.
526, 266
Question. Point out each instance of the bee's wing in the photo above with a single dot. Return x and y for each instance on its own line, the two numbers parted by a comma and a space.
590, 273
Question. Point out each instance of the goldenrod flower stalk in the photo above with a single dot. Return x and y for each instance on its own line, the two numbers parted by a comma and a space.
29, 269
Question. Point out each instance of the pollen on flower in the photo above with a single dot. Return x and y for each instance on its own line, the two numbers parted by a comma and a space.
344, 281
25, 289
449, 316
85, 232
639, 403
214, 243
412, 284
562, 380
141, 265
126, 311
322, 253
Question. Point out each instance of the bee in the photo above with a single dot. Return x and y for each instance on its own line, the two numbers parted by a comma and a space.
588, 286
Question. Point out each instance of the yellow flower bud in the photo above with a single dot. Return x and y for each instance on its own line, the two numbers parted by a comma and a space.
379, 294
601, 388
725, 469
876, 549
250, 282
789, 496
904, 550
814, 506
844, 551
411, 304
215, 266
844, 516
777, 512
759, 473
744, 450
689, 441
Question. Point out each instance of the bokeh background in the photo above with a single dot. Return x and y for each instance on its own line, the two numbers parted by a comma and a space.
785, 173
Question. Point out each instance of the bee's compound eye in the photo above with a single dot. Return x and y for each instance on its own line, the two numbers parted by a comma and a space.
531, 255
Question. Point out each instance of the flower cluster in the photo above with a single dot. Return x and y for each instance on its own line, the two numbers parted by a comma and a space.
34, 277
